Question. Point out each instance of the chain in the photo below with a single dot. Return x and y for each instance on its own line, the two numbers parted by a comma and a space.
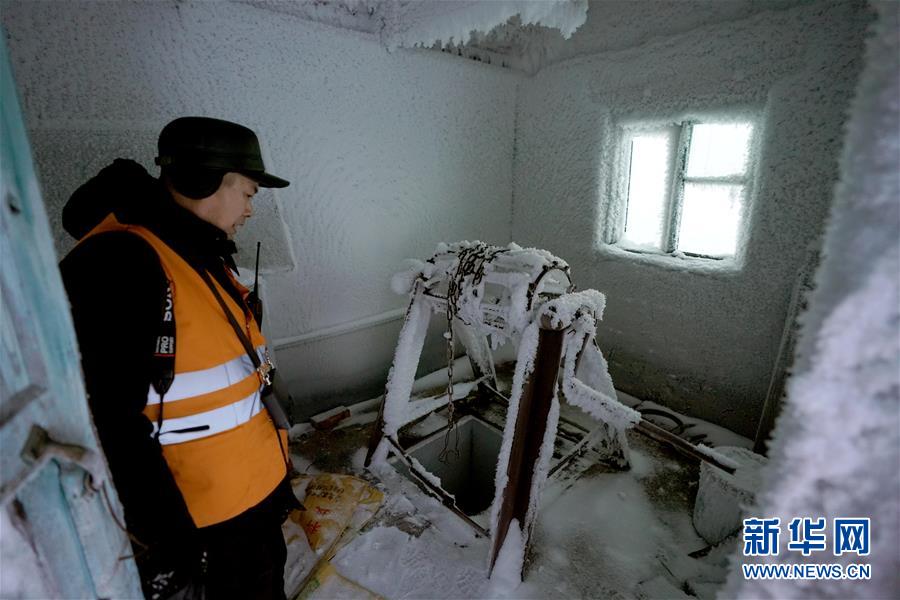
470, 261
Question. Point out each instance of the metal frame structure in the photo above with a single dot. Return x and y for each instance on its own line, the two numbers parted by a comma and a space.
554, 312
433, 295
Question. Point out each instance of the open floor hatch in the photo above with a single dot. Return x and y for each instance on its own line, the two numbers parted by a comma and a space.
467, 476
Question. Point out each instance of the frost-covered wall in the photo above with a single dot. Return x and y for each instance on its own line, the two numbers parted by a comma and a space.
387, 153
703, 341
836, 448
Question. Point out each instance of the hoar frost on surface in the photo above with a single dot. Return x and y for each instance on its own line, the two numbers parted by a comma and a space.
406, 360
511, 269
563, 311
712, 435
507, 573
524, 367
578, 311
609, 535
591, 388
420, 408
522, 531
541, 468
497, 304
635, 543
835, 450
839, 432
587, 384
722, 497
719, 456
509, 292
403, 281
453, 22
421, 471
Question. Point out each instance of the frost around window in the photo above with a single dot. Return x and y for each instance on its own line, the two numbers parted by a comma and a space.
687, 189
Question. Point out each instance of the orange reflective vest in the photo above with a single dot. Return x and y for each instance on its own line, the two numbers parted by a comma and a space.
216, 435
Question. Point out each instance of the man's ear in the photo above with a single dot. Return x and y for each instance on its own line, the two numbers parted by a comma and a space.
193, 182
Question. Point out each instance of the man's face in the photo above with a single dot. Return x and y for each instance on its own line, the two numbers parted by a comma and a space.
231, 205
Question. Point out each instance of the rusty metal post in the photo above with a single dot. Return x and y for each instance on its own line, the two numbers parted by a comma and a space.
376, 434
528, 437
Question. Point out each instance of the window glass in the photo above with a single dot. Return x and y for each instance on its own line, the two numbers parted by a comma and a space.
718, 149
710, 216
648, 190
695, 205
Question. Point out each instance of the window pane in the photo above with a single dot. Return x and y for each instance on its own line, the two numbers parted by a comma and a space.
710, 216
719, 149
648, 187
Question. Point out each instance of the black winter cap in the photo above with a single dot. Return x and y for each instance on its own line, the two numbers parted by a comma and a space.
214, 144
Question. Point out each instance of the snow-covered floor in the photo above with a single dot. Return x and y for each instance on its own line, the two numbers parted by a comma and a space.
599, 533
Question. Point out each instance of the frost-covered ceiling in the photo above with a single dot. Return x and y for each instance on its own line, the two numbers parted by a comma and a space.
521, 34
409, 23
479, 29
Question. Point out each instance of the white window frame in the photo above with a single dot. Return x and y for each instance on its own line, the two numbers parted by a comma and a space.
675, 191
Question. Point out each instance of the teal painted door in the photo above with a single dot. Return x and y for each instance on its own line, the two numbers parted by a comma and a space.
58, 535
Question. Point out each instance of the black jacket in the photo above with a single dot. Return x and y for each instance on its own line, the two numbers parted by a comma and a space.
116, 287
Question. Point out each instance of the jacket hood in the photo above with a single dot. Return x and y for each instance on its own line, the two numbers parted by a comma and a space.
124, 188
120, 187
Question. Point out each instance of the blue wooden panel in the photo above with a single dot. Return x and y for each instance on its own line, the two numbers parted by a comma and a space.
72, 538
54, 534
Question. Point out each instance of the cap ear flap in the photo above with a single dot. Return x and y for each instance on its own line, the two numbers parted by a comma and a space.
195, 183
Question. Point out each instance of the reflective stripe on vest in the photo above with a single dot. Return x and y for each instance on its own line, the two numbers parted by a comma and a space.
176, 430
220, 444
213, 422
195, 383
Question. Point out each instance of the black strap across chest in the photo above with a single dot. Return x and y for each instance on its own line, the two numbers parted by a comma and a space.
241, 334
276, 412
163, 365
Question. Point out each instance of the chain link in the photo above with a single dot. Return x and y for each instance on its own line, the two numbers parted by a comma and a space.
470, 262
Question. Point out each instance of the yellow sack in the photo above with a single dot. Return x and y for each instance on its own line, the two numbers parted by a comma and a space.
334, 503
